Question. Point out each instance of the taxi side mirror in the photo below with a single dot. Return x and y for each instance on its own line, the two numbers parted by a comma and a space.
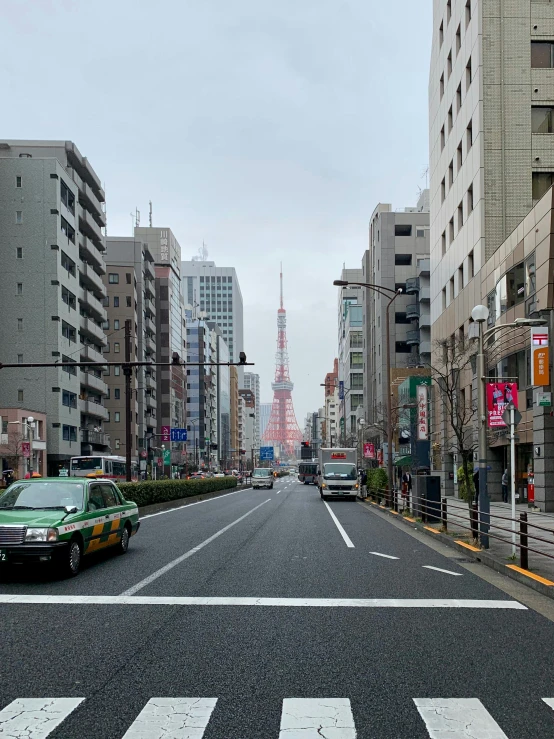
70, 509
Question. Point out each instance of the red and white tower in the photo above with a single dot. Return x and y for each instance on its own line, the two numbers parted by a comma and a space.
282, 429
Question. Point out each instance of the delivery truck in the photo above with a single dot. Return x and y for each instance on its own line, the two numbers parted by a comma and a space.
337, 474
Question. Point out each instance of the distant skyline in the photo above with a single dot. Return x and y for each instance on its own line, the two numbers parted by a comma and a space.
270, 131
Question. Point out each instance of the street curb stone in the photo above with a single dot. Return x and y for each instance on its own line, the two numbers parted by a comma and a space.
481, 556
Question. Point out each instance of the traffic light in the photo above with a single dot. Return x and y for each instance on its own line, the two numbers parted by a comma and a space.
305, 443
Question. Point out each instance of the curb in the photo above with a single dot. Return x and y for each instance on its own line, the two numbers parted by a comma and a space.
168, 505
479, 555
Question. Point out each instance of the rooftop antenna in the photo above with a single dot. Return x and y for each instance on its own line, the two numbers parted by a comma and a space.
132, 223
137, 217
426, 175
150, 213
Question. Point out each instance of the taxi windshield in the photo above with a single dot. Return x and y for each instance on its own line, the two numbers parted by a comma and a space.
42, 495
262, 473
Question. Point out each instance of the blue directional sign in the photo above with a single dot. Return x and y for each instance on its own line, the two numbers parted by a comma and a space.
266, 452
178, 434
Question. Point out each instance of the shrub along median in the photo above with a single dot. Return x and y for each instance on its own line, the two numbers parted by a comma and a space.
148, 492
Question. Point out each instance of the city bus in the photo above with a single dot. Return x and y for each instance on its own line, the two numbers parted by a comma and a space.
107, 466
307, 473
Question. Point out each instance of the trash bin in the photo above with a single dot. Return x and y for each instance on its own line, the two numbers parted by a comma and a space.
427, 498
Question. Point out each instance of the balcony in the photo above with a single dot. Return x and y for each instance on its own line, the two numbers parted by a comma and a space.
412, 311
412, 338
150, 401
150, 382
149, 270
149, 345
90, 228
89, 380
91, 279
424, 267
149, 307
149, 288
98, 438
90, 408
412, 285
424, 295
88, 352
93, 330
149, 325
80, 163
92, 304
425, 320
87, 196
425, 347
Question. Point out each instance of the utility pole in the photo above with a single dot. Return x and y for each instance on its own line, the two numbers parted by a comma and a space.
127, 371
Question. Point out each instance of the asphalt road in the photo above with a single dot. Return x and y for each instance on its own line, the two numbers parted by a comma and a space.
258, 614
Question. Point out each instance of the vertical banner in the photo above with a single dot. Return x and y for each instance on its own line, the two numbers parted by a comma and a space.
499, 394
341, 390
369, 451
166, 433
422, 413
540, 360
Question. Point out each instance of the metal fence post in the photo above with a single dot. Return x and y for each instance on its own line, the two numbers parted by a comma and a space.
444, 511
523, 542
474, 520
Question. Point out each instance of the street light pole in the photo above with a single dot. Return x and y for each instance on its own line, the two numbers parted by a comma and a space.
480, 314
385, 291
128, 371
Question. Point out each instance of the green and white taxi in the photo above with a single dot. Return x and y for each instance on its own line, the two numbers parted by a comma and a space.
59, 520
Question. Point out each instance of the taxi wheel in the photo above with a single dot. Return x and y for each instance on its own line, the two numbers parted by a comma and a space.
72, 562
124, 541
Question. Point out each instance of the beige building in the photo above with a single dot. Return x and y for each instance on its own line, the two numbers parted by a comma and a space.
491, 101
22, 442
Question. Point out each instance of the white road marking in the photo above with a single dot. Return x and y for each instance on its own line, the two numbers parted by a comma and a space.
162, 600
439, 569
458, 718
388, 556
155, 575
313, 718
347, 539
180, 718
35, 718
549, 702
189, 505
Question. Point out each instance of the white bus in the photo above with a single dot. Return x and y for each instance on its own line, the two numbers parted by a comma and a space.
108, 466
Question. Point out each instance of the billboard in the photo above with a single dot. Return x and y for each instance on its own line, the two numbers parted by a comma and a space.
499, 394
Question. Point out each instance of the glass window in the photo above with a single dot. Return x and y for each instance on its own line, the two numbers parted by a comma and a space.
69, 433
113, 278
542, 182
117, 416
117, 371
116, 324
67, 229
69, 399
108, 495
117, 393
356, 340
530, 282
67, 197
403, 229
542, 54
356, 359
356, 380
515, 285
541, 119
501, 297
356, 399
116, 301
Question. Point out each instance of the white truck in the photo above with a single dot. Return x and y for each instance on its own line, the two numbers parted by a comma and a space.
338, 473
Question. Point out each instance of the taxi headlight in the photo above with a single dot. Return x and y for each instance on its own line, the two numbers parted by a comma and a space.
323, 485
41, 535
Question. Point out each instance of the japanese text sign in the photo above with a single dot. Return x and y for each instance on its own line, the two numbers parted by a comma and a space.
540, 370
499, 394
422, 413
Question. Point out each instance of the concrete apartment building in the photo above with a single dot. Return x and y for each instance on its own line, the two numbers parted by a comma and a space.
170, 334
491, 96
397, 258
214, 293
52, 245
130, 287
351, 356
248, 422
252, 382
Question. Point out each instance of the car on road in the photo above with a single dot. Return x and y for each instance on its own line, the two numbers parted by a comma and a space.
61, 519
262, 477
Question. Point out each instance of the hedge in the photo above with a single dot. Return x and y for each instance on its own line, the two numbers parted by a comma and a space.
147, 492
377, 481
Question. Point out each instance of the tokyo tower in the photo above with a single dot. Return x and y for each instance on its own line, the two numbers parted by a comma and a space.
282, 429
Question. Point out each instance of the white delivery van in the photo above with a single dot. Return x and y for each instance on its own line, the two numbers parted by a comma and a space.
262, 477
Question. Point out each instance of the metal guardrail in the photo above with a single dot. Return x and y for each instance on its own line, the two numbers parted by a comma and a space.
470, 520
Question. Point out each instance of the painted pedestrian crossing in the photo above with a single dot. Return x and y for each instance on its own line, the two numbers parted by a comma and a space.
301, 718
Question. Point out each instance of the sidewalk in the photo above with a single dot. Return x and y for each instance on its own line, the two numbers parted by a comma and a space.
501, 547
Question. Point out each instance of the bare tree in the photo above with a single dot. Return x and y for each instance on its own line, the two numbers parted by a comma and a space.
12, 450
452, 372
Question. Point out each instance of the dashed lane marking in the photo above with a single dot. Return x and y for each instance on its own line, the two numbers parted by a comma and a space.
317, 717
183, 718
147, 600
439, 569
457, 718
158, 573
387, 556
35, 718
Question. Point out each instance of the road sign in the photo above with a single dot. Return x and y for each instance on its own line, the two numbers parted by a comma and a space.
63, 472
167, 456
506, 416
544, 399
178, 434
266, 453
341, 390
166, 433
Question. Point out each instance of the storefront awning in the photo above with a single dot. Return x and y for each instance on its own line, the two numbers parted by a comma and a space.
403, 461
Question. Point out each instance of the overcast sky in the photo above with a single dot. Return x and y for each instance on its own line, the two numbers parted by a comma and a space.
270, 130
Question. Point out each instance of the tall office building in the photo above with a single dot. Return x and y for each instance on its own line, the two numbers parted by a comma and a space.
52, 246
265, 414
130, 286
214, 293
491, 159
397, 258
351, 356
252, 382
170, 332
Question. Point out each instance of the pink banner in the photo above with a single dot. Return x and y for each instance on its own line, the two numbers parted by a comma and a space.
499, 394
369, 451
166, 433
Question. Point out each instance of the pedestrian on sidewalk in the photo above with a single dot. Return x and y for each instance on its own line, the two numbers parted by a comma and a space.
505, 481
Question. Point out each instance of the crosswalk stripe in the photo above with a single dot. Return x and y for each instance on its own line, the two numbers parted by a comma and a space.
178, 718
312, 718
549, 702
457, 718
35, 718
